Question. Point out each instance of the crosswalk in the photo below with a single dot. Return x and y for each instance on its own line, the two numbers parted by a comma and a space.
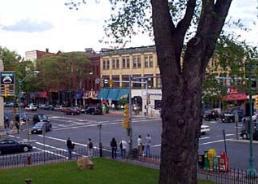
63, 123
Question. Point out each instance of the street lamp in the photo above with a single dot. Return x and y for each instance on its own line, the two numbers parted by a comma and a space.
100, 144
251, 171
19, 101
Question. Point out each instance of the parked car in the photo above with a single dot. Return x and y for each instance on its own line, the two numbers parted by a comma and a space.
211, 115
93, 110
246, 128
205, 129
12, 146
39, 117
31, 107
72, 111
39, 127
46, 107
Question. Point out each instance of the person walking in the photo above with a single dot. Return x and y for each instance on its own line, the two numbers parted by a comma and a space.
113, 145
70, 147
147, 145
139, 145
90, 148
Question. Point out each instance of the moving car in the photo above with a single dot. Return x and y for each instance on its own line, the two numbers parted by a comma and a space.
39, 117
205, 129
228, 117
94, 110
12, 146
39, 127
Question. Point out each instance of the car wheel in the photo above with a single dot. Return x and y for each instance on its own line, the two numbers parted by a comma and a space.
25, 149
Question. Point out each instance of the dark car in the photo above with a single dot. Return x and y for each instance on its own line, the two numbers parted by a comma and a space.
72, 111
228, 117
93, 110
211, 115
39, 127
12, 146
39, 117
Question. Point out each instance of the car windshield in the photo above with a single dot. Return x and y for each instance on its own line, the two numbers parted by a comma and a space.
42, 117
39, 125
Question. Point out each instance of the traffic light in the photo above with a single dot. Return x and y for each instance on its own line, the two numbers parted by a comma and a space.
110, 83
256, 102
126, 117
6, 90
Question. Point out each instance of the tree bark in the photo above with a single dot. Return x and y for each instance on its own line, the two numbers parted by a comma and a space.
182, 84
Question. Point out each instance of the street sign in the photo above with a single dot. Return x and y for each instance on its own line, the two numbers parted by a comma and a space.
7, 83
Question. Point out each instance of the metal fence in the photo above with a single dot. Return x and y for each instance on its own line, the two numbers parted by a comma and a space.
41, 157
233, 176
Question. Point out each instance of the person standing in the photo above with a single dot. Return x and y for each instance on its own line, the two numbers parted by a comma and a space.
113, 145
147, 145
139, 145
123, 146
70, 147
90, 148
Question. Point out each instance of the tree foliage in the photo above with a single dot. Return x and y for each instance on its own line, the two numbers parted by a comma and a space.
65, 71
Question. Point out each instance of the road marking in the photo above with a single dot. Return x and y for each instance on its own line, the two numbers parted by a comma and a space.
211, 142
204, 138
53, 153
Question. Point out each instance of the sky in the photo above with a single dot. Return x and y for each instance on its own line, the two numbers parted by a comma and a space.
27, 25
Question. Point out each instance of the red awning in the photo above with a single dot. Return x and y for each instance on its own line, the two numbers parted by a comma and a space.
235, 97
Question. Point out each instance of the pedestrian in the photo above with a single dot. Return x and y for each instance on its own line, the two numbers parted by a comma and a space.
113, 145
90, 148
139, 145
70, 147
17, 125
123, 147
147, 145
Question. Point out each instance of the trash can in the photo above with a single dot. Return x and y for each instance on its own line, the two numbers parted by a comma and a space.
134, 153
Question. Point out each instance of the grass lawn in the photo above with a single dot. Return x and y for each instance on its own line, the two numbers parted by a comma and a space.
105, 172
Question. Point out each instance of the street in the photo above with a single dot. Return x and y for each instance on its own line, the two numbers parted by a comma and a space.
81, 127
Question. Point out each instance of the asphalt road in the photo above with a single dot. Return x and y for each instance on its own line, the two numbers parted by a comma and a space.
81, 127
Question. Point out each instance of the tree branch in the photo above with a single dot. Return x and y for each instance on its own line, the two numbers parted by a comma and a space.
182, 27
164, 29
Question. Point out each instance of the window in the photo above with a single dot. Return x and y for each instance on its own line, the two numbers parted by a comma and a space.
106, 64
113, 63
148, 61
136, 62
125, 62
158, 81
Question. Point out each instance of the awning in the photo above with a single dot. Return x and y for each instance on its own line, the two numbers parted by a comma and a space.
123, 93
112, 94
235, 97
103, 94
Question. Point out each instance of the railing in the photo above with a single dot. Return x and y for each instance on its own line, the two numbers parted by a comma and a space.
41, 157
233, 176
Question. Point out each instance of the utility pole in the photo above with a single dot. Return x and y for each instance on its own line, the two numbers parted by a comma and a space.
130, 132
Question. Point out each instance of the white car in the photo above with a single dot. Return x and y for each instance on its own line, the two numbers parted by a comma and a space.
205, 129
31, 107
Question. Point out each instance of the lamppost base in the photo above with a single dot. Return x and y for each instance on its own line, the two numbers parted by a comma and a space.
251, 172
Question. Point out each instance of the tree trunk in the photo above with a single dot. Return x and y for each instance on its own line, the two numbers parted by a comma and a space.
181, 130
